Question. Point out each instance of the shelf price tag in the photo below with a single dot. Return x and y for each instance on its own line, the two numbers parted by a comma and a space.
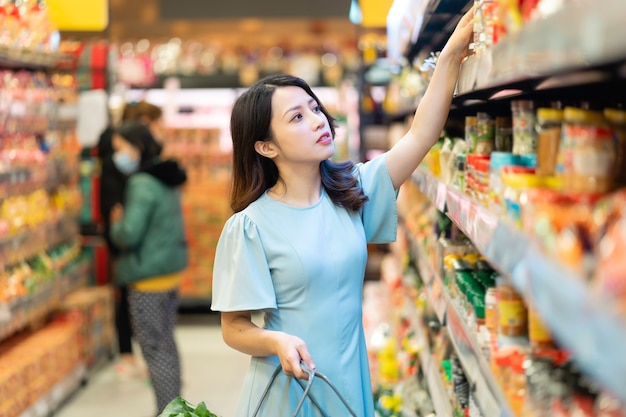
5, 313
440, 198
464, 216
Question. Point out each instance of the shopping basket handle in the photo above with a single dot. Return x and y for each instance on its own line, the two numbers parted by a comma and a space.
312, 373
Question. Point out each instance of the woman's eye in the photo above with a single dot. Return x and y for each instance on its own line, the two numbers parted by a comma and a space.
317, 109
297, 116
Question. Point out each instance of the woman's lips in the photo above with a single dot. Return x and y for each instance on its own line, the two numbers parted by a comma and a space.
325, 139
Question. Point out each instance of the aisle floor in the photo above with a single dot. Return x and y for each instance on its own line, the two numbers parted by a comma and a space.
212, 372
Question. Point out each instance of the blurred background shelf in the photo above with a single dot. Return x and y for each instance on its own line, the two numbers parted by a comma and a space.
581, 322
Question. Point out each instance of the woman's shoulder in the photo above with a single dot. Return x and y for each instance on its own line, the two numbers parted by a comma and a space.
249, 215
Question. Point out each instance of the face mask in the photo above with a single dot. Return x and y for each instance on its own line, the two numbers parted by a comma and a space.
125, 163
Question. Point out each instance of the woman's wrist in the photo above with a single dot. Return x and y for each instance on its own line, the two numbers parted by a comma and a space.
452, 58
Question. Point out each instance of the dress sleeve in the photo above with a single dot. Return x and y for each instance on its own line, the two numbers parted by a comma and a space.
380, 212
241, 275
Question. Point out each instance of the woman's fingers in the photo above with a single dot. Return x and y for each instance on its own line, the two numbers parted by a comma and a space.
467, 18
294, 351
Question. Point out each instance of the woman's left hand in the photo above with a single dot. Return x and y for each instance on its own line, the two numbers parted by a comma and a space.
458, 44
117, 213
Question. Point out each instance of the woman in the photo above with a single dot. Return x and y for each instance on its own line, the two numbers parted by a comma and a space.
296, 247
149, 231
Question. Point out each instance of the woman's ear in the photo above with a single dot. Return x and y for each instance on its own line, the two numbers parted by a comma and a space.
265, 148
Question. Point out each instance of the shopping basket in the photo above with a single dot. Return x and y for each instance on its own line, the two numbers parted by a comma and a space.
306, 391
181, 408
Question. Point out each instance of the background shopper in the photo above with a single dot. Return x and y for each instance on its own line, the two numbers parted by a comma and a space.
149, 230
112, 190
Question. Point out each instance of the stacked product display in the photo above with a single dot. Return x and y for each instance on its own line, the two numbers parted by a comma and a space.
515, 219
42, 358
517, 365
206, 206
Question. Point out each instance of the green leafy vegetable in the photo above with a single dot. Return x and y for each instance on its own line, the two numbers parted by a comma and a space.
179, 407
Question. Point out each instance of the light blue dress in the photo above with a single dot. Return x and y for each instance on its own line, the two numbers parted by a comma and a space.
304, 268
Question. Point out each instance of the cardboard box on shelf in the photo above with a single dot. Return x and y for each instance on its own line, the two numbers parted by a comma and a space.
205, 200
93, 308
32, 362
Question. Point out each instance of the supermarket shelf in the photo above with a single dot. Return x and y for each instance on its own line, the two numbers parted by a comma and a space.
435, 25
487, 392
436, 387
581, 323
438, 393
23, 180
585, 35
30, 243
21, 313
52, 401
434, 287
26, 59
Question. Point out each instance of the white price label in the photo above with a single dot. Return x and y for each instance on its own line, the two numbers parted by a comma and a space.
5, 312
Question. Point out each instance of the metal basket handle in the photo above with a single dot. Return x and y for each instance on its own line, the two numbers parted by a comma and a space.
312, 374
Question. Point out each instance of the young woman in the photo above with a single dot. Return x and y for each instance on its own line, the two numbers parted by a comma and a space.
150, 233
295, 249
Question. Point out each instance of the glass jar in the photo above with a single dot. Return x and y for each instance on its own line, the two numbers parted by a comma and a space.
458, 181
471, 133
549, 123
586, 158
491, 310
504, 134
524, 133
512, 314
617, 121
538, 333
516, 390
516, 188
485, 134
496, 163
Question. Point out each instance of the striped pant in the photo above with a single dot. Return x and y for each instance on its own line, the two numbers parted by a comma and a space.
153, 317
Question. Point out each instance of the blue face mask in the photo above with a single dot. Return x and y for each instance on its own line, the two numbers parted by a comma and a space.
125, 163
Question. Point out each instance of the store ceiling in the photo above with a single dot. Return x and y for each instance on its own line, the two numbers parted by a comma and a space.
238, 23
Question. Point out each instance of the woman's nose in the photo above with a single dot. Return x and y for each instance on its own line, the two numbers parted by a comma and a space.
318, 121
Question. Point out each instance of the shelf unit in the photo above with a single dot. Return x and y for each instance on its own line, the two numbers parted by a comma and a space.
576, 54
582, 323
28, 311
560, 49
21, 313
438, 393
434, 26
488, 394
13, 58
51, 402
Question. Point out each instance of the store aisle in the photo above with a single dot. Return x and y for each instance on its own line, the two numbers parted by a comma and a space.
212, 372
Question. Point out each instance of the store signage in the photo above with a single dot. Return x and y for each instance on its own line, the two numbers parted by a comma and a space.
267, 9
375, 13
79, 15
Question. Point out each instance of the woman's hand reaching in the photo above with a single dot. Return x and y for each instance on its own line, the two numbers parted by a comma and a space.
458, 43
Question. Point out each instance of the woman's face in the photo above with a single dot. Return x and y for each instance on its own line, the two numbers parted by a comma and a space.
301, 132
121, 145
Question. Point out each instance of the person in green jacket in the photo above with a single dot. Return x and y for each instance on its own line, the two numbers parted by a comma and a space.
150, 232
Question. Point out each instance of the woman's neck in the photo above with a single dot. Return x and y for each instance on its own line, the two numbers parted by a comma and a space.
297, 190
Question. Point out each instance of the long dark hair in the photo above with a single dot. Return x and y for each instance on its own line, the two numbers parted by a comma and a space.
253, 173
